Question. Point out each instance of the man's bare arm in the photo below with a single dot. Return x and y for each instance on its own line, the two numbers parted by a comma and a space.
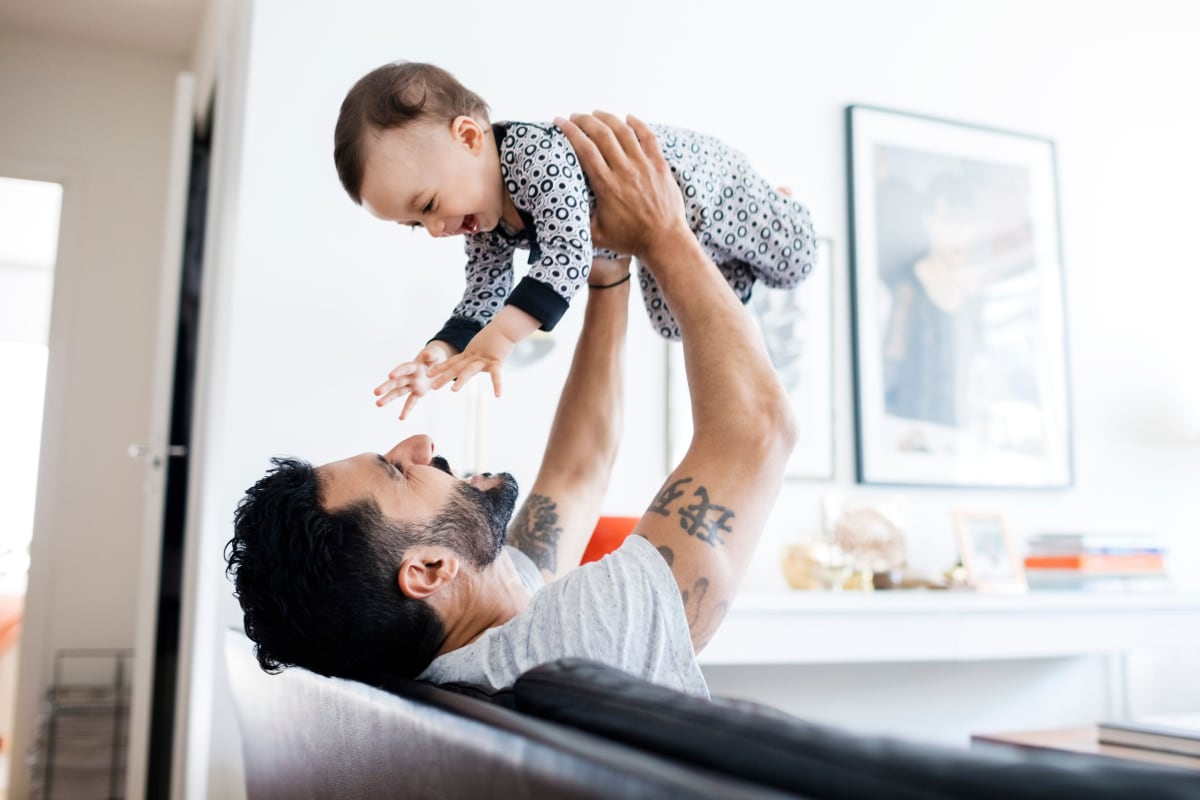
556, 520
709, 515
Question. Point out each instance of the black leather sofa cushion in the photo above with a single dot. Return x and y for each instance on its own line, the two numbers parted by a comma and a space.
765, 746
424, 690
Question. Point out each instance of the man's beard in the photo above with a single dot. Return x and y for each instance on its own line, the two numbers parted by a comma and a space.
482, 518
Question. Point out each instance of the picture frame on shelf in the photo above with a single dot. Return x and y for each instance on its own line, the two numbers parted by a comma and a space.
797, 327
987, 552
960, 357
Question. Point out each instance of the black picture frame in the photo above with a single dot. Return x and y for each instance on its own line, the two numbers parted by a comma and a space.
958, 304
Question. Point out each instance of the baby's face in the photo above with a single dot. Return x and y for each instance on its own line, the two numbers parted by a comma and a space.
442, 177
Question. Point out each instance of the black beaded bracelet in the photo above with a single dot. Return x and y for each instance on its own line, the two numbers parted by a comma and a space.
609, 285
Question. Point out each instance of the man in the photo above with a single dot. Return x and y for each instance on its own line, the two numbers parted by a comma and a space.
390, 564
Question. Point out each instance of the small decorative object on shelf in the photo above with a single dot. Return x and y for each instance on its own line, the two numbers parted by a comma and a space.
869, 530
987, 552
816, 565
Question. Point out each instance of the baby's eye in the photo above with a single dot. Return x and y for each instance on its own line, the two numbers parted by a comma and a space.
428, 207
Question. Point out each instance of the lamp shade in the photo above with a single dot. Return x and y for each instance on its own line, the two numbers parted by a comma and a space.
610, 532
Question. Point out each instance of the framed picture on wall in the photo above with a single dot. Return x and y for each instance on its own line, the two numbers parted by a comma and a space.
987, 552
797, 328
957, 295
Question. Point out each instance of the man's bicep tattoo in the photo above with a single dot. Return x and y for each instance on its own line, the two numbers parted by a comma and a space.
535, 532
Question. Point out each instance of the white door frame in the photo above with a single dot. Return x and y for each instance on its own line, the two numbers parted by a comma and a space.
155, 448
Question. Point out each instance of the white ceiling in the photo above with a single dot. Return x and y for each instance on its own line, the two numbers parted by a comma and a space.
165, 27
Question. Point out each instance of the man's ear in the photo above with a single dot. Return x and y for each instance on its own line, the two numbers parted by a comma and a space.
468, 132
424, 571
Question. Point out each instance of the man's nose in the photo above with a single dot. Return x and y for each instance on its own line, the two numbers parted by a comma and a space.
413, 450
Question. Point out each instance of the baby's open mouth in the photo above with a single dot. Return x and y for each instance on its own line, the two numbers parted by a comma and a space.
469, 224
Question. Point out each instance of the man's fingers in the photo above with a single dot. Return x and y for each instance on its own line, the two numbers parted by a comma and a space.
601, 136
622, 132
647, 141
593, 162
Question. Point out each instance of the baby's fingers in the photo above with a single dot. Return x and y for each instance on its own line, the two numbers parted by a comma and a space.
408, 405
405, 370
495, 373
459, 370
395, 393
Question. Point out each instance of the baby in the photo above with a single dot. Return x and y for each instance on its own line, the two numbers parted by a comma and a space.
416, 147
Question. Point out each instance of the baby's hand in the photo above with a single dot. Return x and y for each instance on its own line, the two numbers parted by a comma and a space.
412, 378
485, 353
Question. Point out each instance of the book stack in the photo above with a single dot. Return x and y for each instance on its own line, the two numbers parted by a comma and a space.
1167, 733
1096, 562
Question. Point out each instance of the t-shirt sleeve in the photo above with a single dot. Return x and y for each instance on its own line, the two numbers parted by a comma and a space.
531, 576
543, 177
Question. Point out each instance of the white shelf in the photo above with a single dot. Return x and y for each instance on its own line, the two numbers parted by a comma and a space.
881, 627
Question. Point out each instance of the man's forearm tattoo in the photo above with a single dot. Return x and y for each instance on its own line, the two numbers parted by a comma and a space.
703, 519
693, 604
535, 532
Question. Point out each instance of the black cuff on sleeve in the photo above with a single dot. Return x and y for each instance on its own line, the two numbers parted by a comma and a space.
458, 332
539, 301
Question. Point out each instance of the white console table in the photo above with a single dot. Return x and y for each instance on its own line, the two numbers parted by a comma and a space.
893, 627
882, 627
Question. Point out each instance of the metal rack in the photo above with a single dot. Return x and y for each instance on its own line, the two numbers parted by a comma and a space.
79, 752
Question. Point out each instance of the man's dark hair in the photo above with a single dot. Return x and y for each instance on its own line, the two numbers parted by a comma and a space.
393, 96
319, 589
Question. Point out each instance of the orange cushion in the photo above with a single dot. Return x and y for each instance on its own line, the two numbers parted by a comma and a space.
609, 533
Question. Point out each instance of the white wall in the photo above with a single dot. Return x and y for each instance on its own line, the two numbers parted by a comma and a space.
318, 300
98, 120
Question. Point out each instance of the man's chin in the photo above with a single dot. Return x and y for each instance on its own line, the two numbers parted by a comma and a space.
501, 495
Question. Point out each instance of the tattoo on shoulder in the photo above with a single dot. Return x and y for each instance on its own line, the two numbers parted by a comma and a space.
703, 519
535, 532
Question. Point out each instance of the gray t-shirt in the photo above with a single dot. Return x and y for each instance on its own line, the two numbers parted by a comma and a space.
624, 611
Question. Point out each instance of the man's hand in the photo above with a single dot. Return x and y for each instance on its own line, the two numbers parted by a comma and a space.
412, 377
639, 206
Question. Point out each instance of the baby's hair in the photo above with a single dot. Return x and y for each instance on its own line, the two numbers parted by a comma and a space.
394, 96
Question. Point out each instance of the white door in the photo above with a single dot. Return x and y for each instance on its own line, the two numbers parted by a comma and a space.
153, 450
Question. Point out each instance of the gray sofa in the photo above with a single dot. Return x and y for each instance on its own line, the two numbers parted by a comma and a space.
576, 729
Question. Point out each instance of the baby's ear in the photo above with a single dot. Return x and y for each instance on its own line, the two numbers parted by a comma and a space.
467, 131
